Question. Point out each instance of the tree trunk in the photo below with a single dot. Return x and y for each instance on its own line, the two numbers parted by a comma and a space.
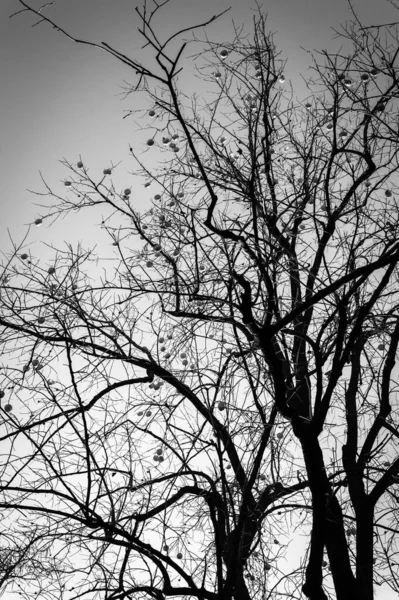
364, 552
328, 529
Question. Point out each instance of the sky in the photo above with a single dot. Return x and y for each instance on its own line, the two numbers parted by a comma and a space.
59, 99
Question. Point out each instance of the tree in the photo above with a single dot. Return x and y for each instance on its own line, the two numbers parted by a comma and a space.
227, 388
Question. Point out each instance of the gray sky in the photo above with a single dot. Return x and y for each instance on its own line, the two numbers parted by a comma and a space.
59, 99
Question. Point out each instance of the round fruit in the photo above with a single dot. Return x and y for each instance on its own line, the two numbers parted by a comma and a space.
127, 192
221, 406
41, 320
2, 394
24, 256
8, 407
152, 113
38, 222
179, 555
51, 271
150, 142
79, 164
67, 183
159, 451
148, 413
107, 172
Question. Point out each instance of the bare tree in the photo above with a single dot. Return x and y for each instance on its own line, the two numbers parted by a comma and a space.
215, 415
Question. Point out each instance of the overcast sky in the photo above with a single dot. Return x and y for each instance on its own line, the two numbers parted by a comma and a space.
59, 99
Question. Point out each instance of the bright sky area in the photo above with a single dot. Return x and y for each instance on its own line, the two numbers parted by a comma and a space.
59, 99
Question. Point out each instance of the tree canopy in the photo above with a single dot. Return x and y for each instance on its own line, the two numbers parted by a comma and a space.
215, 414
